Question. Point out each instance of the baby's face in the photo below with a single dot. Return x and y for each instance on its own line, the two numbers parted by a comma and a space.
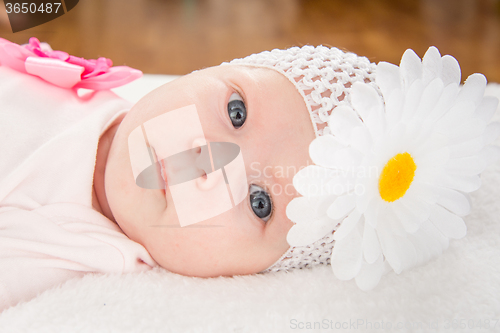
273, 138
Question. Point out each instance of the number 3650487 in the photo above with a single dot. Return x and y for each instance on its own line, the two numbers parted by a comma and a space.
32, 8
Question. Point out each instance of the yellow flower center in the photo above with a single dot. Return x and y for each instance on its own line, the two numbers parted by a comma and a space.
396, 177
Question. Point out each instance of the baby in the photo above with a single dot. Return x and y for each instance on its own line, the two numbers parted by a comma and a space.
236, 104
71, 186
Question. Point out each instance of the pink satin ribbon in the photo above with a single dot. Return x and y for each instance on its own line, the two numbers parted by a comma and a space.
64, 70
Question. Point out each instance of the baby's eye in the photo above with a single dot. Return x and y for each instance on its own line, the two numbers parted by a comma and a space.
236, 110
260, 202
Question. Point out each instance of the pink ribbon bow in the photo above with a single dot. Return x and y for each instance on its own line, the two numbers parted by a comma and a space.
62, 69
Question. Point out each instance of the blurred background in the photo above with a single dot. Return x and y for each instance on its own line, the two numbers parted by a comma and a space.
179, 36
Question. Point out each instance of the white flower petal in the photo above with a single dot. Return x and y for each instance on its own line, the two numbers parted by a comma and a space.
363, 200
436, 242
395, 135
423, 191
342, 206
451, 70
345, 159
487, 108
468, 128
301, 210
388, 77
473, 90
371, 245
471, 165
410, 67
365, 189
327, 151
455, 116
428, 174
435, 141
394, 102
314, 180
422, 247
324, 145
412, 99
430, 96
471, 129
466, 148
361, 140
409, 221
376, 124
432, 65
399, 253
417, 207
490, 154
365, 100
449, 224
445, 102
373, 212
347, 225
433, 158
414, 133
303, 234
452, 200
342, 122
428, 241
411, 212
464, 183
347, 256
388, 222
491, 133
340, 186
370, 274
408, 252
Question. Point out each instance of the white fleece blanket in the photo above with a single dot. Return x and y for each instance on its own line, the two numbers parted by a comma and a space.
458, 292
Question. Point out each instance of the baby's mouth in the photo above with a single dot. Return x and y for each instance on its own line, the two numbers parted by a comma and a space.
163, 172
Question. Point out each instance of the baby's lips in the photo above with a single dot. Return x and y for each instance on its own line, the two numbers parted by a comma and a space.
151, 178
163, 172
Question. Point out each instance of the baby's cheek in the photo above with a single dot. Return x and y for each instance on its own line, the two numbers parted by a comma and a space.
230, 243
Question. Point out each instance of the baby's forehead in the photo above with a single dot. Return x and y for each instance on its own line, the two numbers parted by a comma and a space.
247, 71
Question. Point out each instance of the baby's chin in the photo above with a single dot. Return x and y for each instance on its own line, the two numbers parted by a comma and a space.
207, 269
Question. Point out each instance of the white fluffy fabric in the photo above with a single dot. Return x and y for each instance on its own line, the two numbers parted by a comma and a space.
457, 292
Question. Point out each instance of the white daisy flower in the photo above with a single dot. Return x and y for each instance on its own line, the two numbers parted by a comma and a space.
392, 177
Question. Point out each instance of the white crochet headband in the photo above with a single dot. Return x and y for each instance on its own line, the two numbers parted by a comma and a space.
397, 149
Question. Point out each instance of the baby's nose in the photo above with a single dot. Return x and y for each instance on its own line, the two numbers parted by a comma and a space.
221, 155
189, 164
201, 154
204, 162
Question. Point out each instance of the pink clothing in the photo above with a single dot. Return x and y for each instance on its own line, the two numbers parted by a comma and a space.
49, 231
